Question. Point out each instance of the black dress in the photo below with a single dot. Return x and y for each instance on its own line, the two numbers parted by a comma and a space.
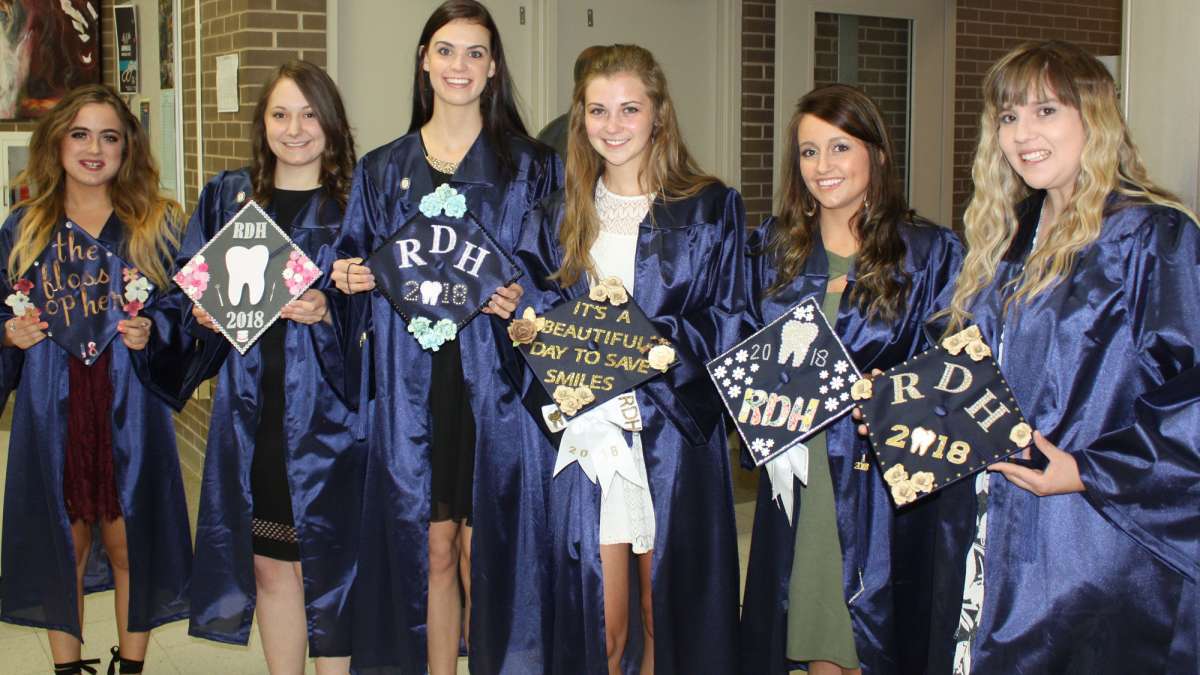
452, 430
273, 525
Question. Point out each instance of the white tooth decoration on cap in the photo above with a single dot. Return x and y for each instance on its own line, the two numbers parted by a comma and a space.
247, 267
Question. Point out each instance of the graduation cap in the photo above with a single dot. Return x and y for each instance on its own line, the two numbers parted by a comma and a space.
245, 275
592, 349
786, 382
941, 416
440, 268
82, 290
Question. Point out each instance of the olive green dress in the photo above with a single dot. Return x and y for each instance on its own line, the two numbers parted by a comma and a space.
818, 626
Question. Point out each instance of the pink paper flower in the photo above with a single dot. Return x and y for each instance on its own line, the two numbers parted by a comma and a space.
23, 285
132, 308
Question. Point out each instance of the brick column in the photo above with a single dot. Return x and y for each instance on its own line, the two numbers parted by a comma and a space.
758, 107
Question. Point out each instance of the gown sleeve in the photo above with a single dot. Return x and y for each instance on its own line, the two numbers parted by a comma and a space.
685, 393
1145, 476
181, 353
11, 358
366, 214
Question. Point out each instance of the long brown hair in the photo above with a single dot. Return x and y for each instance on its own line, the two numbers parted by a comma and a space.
151, 219
337, 160
880, 283
668, 169
1109, 163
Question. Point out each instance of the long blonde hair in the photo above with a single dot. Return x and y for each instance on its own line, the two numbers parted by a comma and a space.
668, 169
151, 220
1109, 164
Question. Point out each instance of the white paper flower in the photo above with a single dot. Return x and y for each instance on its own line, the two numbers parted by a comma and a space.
726, 382
824, 374
719, 372
759, 446
728, 361
831, 404
770, 443
803, 313
824, 389
739, 373
741, 356
837, 382
735, 391
754, 367
748, 380
844, 396
287, 273
841, 366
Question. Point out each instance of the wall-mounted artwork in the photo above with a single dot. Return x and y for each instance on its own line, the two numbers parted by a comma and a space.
47, 47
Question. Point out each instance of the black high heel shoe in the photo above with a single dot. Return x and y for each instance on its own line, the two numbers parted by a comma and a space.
126, 665
76, 667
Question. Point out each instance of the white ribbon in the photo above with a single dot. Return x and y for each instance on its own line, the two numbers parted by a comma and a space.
781, 469
596, 441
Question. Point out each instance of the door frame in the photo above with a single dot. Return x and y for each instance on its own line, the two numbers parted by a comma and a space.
932, 142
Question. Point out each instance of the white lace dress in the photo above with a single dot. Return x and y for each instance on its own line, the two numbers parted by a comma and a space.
626, 510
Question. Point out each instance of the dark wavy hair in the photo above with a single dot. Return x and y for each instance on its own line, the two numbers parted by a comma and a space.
337, 161
498, 104
881, 284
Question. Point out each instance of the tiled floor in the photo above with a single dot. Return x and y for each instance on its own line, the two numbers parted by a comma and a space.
25, 651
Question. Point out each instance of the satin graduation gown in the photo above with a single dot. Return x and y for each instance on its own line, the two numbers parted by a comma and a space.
38, 565
392, 583
324, 461
1105, 365
878, 577
691, 280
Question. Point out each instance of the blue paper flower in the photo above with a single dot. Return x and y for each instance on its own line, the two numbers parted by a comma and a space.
443, 199
456, 205
432, 336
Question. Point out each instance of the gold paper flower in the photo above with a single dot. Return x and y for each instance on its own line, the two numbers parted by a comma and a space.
955, 343
904, 492
922, 481
1021, 434
610, 289
896, 474
571, 399
977, 350
584, 395
524, 330
861, 389
661, 357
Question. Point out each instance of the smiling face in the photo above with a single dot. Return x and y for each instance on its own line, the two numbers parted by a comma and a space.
459, 62
835, 166
293, 131
618, 118
93, 147
1043, 141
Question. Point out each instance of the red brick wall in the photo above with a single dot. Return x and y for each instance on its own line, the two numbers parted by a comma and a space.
987, 29
758, 106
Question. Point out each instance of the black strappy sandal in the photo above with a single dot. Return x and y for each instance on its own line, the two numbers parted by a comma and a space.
125, 665
77, 667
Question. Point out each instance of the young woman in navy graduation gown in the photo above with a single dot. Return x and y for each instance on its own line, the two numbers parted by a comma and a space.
277, 531
637, 208
1084, 278
447, 486
821, 587
92, 450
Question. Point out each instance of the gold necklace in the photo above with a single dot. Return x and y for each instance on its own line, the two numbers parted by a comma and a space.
441, 165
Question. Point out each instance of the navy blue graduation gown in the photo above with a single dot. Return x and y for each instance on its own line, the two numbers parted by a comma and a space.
508, 505
692, 281
325, 462
882, 552
38, 564
1105, 365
